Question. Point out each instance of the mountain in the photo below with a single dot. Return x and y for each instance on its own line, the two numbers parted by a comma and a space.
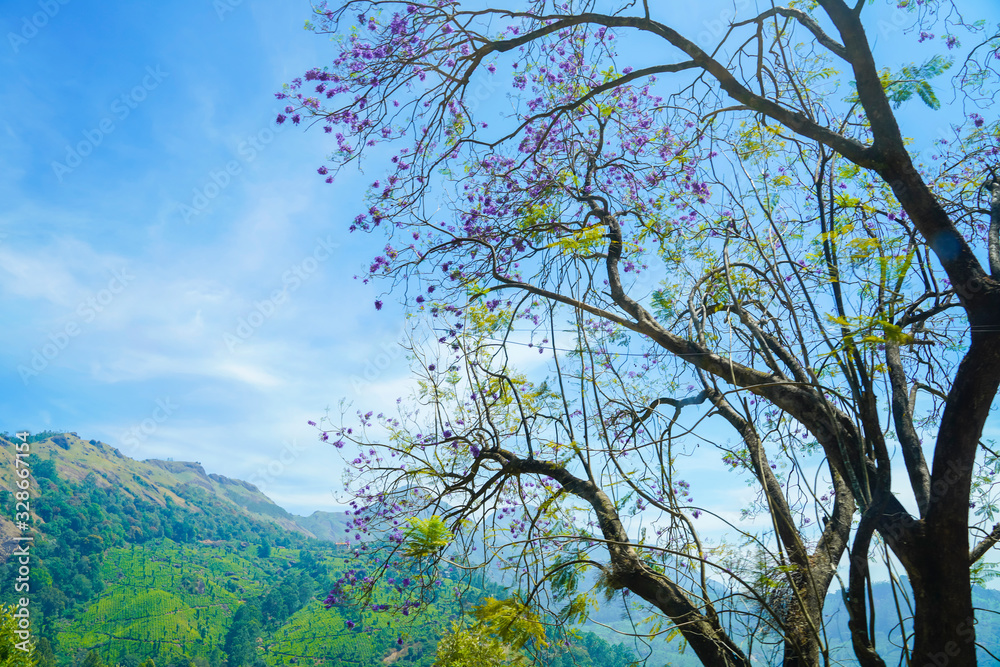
139, 560
324, 525
158, 482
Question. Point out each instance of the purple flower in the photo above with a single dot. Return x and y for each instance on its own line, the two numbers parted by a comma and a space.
322, 171
350, 625
378, 305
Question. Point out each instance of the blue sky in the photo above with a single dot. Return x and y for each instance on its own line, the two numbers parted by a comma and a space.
176, 278
150, 207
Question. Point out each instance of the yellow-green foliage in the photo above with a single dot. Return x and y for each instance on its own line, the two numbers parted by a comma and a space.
426, 537
11, 645
512, 621
475, 648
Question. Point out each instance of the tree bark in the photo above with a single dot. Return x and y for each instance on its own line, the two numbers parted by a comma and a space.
939, 572
702, 631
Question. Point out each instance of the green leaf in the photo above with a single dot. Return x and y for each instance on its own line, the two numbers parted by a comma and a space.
577, 610
914, 80
426, 537
512, 621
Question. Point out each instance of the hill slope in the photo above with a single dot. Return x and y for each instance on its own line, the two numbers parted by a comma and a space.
158, 481
157, 559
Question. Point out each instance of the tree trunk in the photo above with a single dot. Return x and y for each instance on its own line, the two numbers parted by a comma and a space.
939, 568
943, 591
802, 644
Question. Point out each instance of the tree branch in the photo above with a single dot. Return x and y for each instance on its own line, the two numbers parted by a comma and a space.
862, 640
808, 22
794, 120
673, 402
994, 236
708, 639
890, 158
909, 441
980, 549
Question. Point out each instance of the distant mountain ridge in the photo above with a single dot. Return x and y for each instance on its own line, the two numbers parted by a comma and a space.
157, 481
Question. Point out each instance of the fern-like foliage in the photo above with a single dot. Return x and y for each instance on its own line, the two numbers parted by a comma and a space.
426, 537
914, 80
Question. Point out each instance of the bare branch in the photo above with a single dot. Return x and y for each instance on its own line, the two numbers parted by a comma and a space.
980, 549
808, 22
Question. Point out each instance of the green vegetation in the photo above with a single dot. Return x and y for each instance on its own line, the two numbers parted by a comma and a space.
14, 650
120, 580
464, 648
178, 576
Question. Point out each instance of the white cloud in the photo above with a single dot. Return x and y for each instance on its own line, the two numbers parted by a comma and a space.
62, 274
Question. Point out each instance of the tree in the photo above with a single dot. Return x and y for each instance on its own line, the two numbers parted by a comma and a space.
474, 648
750, 257
93, 659
12, 645
44, 655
